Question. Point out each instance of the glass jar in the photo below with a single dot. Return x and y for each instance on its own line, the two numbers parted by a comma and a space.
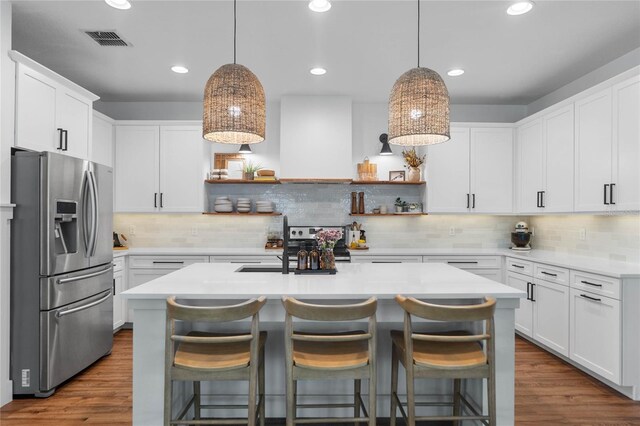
302, 259
327, 259
314, 259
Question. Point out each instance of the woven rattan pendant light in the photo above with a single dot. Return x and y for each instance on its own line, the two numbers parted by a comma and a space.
234, 103
419, 106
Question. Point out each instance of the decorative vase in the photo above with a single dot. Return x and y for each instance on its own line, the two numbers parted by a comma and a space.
248, 175
327, 259
414, 174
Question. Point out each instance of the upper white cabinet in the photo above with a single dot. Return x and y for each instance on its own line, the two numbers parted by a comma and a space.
101, 148
545, 163
52, 113
160, 168
608, 149
472, 172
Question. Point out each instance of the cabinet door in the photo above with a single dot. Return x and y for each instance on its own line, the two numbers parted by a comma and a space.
102, 141
74, 115
35, 112
524, 314
492, 170
595, 333
141, 276
626, 145
530, 167
182, 159
551, 315
593, 151
558, 161
137, 159
118, 302
448, 174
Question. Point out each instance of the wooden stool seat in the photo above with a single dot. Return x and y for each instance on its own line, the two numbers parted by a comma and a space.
215, 356
443, 354
331, 355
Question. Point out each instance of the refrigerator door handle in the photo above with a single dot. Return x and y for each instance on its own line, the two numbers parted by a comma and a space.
94, 213
83, 307
83, 277
85, 213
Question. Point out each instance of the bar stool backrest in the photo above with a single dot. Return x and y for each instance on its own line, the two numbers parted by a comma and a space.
313, 312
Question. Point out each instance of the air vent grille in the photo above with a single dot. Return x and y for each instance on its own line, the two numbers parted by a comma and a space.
107, 38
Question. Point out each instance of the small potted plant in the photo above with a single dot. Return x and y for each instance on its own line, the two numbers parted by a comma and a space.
250, 170
414, 161
400, 205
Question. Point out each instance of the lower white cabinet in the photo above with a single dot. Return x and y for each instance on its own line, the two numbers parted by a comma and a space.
595, 326
485, 266
524, 314
119, 285
550, 303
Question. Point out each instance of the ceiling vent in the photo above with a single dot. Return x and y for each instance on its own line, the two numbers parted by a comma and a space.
107, 38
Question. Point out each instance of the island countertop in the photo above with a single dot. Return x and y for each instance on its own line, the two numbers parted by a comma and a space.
385, 281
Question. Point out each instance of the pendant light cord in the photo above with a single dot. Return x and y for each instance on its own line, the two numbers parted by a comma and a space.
418, 33
234, 31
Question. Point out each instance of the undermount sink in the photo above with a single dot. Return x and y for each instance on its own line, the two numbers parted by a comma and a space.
252, 268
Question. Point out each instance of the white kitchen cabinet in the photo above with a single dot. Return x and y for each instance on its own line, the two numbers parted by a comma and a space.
473, 172
557, 192
52, 113
625, 190
491, 171
102, 140
530, 168
160, 168
550, 302
448, 174
524, 314
485, 266
118, 302
595, 326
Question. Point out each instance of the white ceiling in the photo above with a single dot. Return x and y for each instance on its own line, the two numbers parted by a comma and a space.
365, 45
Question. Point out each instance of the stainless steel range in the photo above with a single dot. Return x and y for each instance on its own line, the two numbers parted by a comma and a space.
61, 269
304, 236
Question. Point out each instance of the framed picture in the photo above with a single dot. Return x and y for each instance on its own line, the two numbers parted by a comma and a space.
396, 176
233, 162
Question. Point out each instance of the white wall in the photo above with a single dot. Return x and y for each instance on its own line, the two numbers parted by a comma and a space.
7, 78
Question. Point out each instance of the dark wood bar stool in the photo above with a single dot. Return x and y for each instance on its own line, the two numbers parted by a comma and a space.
453, 355
199, 356
333, 356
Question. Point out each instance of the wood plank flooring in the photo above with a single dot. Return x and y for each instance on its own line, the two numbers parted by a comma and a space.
548, 392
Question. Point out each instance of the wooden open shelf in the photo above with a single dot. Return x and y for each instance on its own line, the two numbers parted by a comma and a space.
386, 182
242, 214
242, 181
388, 214
314, 180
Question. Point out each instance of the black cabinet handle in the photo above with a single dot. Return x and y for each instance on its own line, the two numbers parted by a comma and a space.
114, 286
528, 291
591, 298
549, 273
473, 197
542, 199
611, 194
532, 286
538, 199
179, 262
517, 266
66, 140
155, 199
606, 185
60, 132
455, 262
161, 202
467, 200
593, 284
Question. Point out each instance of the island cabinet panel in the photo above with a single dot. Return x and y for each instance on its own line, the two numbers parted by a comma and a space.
595, 330
550, 303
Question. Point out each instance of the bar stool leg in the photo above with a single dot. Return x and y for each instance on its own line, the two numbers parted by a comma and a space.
291, 399
168, 398
357, 387
261, 386
253, 389
196, 401
491, 384
456, 400
411, 406
372, 398
394, 386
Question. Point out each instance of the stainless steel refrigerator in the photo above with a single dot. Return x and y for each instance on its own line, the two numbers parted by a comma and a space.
61, 269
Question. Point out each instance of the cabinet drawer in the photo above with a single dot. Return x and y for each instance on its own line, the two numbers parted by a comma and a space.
165, 262
466, 262
244, 259
552, 274
118, 264
599, 284
386, 259
520, 266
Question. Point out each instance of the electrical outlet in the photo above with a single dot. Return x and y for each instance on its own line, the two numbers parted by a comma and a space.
583, 234
452, 231
194, 231
132, 230
533, 232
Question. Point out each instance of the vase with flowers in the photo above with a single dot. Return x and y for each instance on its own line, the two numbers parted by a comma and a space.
413, 162
327, 239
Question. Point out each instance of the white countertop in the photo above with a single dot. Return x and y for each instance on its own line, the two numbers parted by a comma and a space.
221, 281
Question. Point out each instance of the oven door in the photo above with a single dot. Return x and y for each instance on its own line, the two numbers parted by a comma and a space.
73, 337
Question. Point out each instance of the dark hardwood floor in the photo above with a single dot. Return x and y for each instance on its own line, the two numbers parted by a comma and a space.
548, 392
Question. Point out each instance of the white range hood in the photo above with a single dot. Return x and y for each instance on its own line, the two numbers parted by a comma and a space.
315, 139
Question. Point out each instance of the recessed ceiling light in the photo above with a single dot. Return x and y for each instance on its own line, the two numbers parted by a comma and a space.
179, 69
119, 4
455, 72
520, 8
318, 71
319, 5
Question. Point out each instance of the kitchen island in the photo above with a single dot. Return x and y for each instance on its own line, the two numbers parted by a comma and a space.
225, 285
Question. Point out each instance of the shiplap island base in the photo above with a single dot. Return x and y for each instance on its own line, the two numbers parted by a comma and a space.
223, 284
